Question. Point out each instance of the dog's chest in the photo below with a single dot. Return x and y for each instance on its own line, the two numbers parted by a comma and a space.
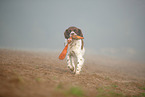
75, 45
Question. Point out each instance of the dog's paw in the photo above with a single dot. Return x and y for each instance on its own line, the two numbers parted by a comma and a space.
77, 73
71, 68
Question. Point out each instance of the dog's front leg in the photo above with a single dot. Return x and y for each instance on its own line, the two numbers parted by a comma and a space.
69, 65
80, 62
73, 63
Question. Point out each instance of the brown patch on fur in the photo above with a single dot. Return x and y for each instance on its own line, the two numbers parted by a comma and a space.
82, 44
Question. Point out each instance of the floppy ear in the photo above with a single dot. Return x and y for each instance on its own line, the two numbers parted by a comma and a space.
66, 34
80, 33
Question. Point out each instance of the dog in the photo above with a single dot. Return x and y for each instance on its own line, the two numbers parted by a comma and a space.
76, 50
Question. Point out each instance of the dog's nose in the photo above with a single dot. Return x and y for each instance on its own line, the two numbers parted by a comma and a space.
72, 33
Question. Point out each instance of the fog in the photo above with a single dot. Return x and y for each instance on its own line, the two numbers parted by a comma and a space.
112, 28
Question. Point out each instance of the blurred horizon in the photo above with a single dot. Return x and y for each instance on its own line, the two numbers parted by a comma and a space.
113, 28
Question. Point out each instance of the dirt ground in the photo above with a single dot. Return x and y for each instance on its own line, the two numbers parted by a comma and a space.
42, 74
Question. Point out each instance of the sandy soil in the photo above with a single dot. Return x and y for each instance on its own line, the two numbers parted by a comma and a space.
42, 74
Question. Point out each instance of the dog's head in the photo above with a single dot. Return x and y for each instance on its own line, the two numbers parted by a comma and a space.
72, 31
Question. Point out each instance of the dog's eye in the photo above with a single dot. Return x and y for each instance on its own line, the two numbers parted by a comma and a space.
74, 30
69, 30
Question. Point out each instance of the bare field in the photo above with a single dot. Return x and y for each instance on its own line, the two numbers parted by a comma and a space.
42, 74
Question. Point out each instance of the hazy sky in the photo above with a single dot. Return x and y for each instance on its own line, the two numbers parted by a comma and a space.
110, 27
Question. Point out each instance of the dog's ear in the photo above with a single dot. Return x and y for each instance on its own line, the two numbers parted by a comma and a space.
66, 34
80, 33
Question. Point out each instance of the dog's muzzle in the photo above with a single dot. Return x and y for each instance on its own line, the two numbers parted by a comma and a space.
72, 33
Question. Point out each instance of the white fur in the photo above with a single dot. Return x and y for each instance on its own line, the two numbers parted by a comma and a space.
74, 57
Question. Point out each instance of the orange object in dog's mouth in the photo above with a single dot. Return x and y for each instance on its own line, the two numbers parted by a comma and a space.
63, 53
77, 37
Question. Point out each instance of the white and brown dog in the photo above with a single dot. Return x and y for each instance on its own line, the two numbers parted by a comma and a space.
76, 50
